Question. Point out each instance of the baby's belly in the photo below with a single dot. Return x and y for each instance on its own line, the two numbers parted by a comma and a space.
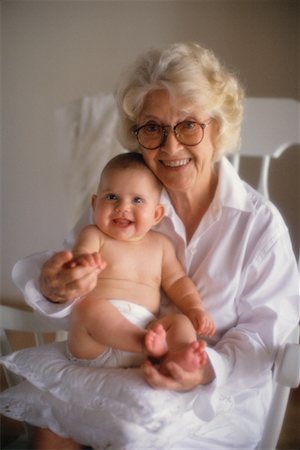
139, 293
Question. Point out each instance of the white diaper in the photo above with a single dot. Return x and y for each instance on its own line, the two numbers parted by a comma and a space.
136, 314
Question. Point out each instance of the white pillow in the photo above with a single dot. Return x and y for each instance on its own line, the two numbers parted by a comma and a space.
95, 405
98, 428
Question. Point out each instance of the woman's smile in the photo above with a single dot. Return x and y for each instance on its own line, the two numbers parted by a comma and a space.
175, 163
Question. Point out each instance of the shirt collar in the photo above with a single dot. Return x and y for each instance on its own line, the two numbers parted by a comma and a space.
230, 193
171, 214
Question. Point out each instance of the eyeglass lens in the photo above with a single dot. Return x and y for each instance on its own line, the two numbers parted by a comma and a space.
152, 136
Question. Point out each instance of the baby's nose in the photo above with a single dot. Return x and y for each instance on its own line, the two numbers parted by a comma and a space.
122, 206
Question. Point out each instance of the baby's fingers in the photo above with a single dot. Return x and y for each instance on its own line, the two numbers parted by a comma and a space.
98, 261
206, 327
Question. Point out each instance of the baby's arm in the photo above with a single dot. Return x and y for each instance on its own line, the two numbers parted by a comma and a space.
202, 321
182, 291
86, 250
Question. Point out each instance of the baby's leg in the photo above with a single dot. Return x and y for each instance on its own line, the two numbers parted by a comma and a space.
96, 324
178, 343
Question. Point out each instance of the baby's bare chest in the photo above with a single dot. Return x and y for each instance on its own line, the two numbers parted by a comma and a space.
135, 262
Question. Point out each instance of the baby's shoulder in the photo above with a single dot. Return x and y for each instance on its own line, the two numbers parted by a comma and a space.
160, 239
90, 229
92, 232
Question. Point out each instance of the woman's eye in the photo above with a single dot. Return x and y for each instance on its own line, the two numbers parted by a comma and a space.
152, 128
111, 197
138, 200
188, 125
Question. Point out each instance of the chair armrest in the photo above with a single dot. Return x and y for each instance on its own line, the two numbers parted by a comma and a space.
288, 370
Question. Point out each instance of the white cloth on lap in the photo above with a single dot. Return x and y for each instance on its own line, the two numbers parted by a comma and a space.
116, 409
72, 400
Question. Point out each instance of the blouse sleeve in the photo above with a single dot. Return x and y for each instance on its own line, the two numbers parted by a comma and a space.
267, 310
25, 275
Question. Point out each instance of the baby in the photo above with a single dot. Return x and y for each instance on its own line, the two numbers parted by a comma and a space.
116, 324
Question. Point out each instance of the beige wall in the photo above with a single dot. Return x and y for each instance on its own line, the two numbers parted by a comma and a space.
55, 52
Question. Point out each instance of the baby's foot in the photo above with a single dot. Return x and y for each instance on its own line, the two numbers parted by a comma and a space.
156, 341
190, 357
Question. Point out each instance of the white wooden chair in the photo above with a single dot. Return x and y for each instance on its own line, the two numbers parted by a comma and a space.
286, 375
17, 320
13, 319
270, 127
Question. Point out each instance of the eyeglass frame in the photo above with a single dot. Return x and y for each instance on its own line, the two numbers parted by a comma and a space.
165, 135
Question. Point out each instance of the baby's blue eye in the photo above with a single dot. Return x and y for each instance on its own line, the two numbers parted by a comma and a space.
111, 197
138, 200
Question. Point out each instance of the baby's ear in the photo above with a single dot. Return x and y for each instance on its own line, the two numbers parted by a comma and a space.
159, 213
93, 201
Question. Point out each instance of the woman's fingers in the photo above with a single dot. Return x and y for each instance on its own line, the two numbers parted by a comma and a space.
56, 262
61, 281
179, 379
156, 380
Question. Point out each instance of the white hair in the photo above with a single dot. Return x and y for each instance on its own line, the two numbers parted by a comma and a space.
188, 71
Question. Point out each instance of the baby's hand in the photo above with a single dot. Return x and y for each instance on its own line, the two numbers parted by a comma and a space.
202, 322
87, 260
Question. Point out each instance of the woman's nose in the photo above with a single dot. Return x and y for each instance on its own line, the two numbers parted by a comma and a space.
170, 143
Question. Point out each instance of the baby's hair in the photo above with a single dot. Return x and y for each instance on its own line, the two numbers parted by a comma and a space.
125, 160
130, 160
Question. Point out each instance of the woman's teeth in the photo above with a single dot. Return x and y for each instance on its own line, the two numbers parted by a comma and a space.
178, 163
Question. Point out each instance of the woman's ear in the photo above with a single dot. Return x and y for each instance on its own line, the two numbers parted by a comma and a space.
93, 201
159, 213
215, 134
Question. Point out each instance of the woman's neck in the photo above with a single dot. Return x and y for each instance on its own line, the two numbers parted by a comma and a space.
192, 205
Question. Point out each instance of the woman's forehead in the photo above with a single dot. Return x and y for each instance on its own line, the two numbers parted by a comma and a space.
162, 104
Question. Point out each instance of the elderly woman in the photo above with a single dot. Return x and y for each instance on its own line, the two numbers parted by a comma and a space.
182, 110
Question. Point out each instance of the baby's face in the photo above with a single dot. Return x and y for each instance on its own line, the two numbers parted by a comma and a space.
127, 204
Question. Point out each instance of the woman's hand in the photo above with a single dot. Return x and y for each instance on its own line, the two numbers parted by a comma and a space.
180, 380
61, 280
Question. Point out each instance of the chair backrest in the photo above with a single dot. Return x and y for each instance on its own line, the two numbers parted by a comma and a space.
270, 126
17, 320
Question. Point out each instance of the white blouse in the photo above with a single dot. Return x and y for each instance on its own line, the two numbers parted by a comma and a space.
241, 260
